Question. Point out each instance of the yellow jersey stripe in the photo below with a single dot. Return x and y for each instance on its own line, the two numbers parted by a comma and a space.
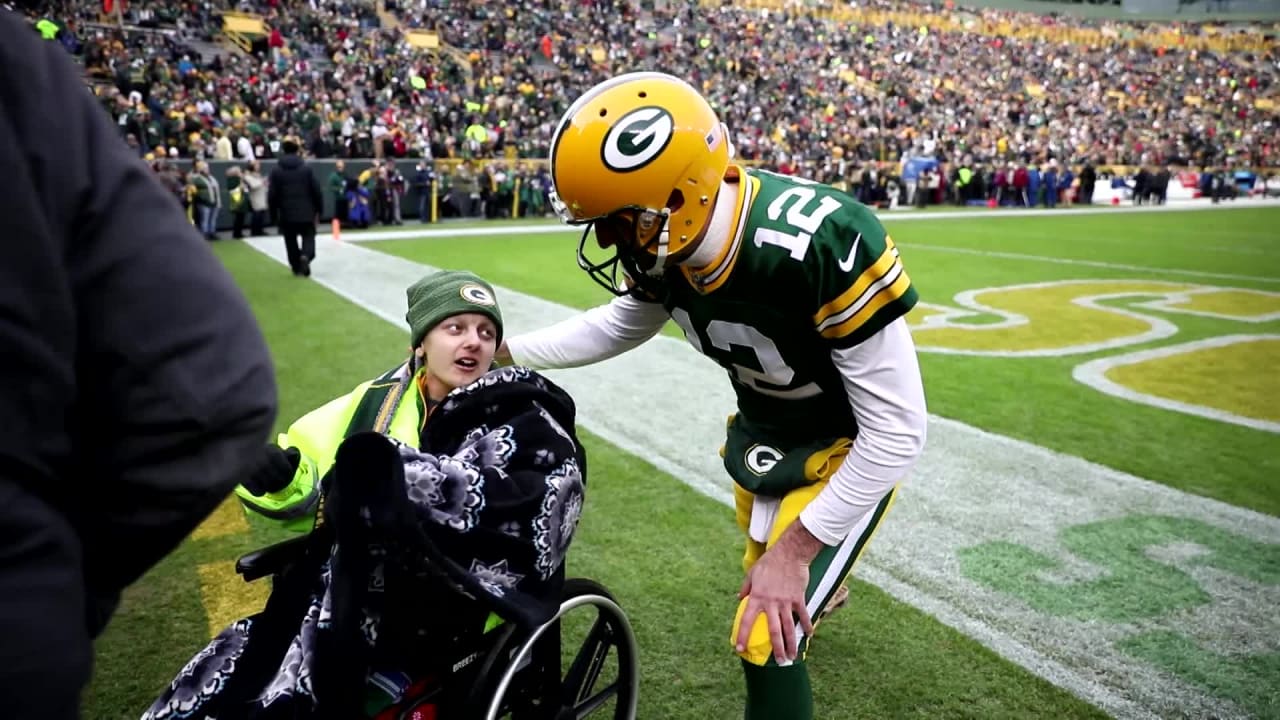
885, 281
886, 294
849, 297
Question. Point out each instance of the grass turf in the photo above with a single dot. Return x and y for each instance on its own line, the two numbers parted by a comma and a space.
886, 659
906, 663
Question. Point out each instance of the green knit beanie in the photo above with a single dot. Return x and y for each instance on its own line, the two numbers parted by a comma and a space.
447, 293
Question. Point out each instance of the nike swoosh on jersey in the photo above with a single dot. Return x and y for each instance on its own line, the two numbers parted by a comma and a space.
847, 264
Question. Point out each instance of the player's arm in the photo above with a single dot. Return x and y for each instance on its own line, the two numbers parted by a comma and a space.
597, 334
882, 379
866, 293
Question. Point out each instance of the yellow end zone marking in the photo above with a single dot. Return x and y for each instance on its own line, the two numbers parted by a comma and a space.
228, 519
1228, 376
226, 596
1237, 304
1233, 378
1062, 317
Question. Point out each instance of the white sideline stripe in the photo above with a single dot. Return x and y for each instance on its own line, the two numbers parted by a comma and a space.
970, 487
435, 230
1088, 263
1094, 374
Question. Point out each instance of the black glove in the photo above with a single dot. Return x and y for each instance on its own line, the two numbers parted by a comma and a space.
273, 470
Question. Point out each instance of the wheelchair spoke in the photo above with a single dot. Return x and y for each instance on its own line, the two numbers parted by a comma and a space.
584, 708
589, 662
533, 684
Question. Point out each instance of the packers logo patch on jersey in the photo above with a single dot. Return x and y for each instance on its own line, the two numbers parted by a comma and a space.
637, 138
760, 459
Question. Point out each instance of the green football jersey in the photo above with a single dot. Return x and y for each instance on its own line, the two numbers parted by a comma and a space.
807, 271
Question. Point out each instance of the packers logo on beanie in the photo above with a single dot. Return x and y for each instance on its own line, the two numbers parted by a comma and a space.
447, 293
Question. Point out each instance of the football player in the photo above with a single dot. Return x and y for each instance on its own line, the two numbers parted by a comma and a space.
797, 291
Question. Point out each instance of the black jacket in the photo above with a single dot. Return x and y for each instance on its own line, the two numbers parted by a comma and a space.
293, 192
133, 377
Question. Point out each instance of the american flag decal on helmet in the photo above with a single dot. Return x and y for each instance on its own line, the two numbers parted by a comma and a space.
713, 138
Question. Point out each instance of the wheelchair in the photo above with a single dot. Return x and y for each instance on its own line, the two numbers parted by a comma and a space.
505, 673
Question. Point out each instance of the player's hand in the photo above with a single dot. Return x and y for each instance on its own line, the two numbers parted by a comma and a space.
775, 586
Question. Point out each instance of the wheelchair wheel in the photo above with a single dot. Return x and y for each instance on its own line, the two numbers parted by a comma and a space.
609, 635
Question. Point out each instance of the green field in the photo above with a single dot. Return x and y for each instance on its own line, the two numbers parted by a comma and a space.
1013, 579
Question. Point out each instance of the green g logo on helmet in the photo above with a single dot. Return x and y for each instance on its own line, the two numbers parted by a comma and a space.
637, 138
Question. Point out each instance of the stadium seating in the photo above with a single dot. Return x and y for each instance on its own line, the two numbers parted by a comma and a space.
843, 92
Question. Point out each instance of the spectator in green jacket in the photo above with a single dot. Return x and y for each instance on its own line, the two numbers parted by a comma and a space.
238, 197
337, 185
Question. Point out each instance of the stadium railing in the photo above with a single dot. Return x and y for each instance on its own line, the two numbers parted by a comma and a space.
243, 28
444, 168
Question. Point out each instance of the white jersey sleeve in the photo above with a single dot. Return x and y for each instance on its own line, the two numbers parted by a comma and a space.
882, 379
597, 334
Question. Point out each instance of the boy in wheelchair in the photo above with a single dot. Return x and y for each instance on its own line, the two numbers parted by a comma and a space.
440, 500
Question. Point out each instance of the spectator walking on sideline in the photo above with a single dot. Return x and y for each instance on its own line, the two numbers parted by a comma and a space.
294, 196
135, 380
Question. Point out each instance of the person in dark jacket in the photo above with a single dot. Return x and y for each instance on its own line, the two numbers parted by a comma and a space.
293, 194
134, 380
1160, 185
1088, 178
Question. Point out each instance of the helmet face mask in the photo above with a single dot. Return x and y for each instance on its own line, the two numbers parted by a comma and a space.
638, 238
639, 159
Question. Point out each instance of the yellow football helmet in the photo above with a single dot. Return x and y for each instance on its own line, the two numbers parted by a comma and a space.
639, 158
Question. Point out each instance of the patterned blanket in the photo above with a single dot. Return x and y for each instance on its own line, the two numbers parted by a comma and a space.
475, 521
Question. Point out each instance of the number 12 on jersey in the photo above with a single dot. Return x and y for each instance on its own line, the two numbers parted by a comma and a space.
774, 377
800, 216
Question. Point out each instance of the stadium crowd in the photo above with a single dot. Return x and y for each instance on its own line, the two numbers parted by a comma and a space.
803, 88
